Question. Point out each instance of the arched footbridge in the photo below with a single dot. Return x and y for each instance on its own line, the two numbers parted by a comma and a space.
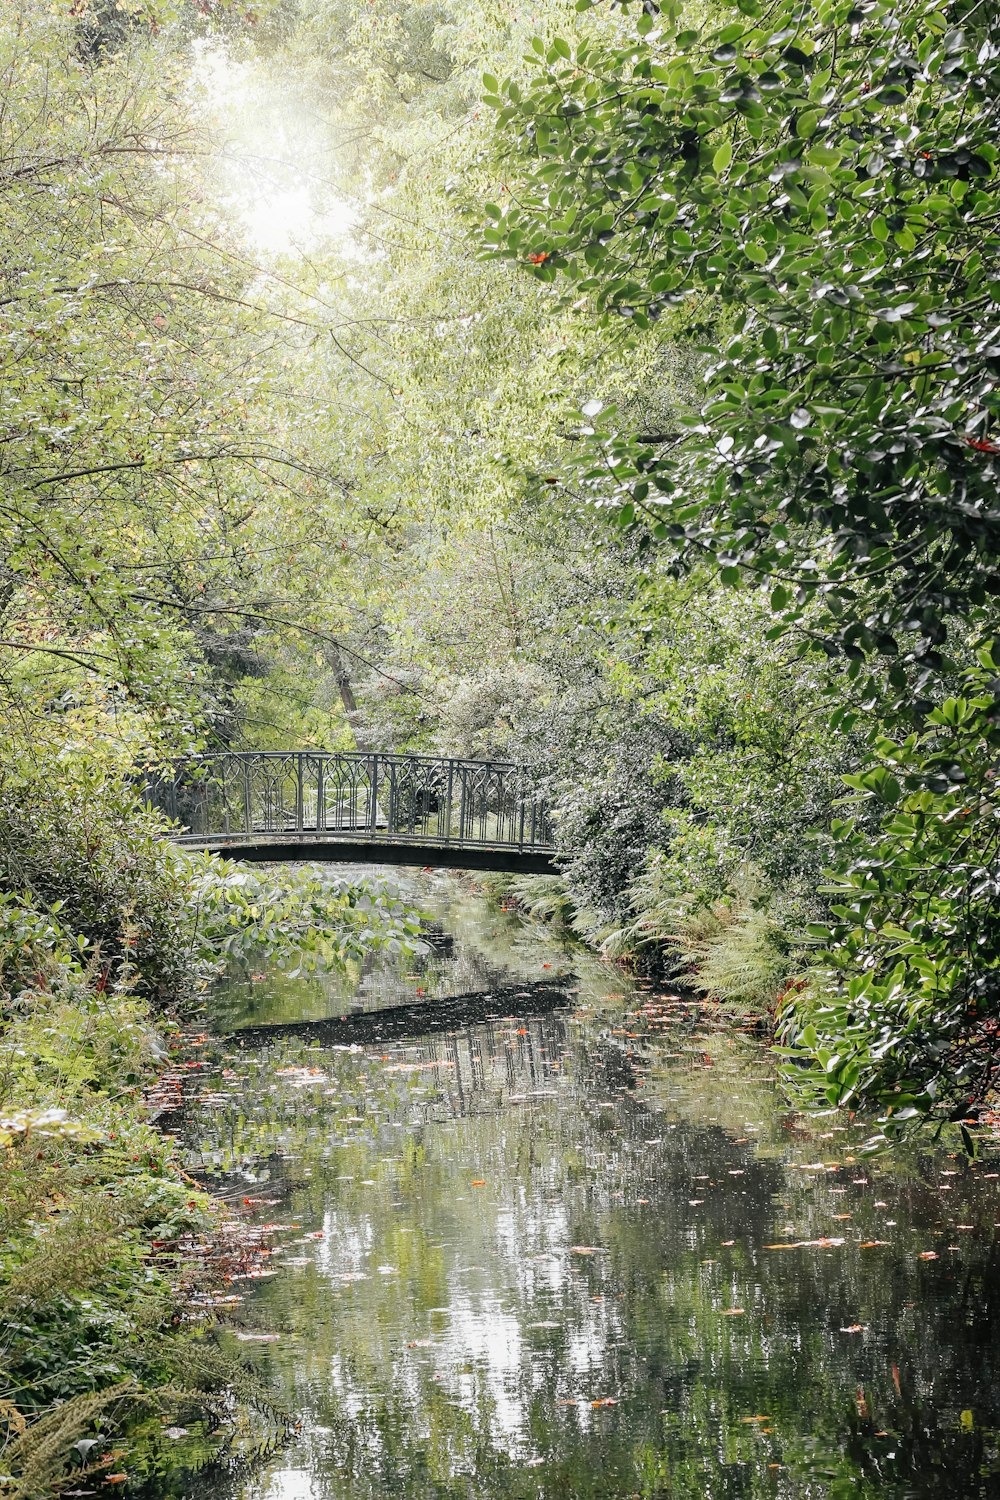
387, 809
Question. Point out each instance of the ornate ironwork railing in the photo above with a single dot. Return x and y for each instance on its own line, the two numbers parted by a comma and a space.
368, 797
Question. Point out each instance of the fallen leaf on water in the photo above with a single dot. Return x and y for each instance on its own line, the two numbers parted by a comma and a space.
822, 1244
567, 1401
605, 1401
582, 1250
755, 1419
733, 1312
855, 1328
479, 1182
870, 1244
928, 1255
895, 1379
727, 1243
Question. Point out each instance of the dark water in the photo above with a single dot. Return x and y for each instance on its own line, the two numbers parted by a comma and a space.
569, 1241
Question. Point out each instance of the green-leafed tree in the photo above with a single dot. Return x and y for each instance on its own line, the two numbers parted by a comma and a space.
807, 192
820, 179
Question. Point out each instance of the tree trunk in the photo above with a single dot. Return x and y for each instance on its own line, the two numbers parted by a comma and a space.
337, 665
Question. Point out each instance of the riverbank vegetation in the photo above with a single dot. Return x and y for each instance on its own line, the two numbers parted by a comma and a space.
108, 936
627, 411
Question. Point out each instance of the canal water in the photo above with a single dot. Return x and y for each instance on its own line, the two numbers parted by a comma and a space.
552, 1232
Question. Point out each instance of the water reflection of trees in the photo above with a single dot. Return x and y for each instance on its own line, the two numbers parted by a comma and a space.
432, 1377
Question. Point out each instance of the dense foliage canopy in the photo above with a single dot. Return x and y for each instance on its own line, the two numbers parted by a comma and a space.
808, 192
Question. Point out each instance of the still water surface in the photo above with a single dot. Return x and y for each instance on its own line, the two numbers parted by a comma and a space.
569, 1241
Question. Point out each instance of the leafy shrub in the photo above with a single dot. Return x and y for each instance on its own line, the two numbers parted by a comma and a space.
904, 1009
77, 838
610, 820
301, 915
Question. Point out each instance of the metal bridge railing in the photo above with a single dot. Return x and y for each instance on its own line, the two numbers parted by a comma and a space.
367, 796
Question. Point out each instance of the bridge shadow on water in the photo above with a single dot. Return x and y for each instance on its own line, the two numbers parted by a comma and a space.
419, 1018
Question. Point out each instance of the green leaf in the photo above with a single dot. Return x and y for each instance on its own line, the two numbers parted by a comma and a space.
723, 156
